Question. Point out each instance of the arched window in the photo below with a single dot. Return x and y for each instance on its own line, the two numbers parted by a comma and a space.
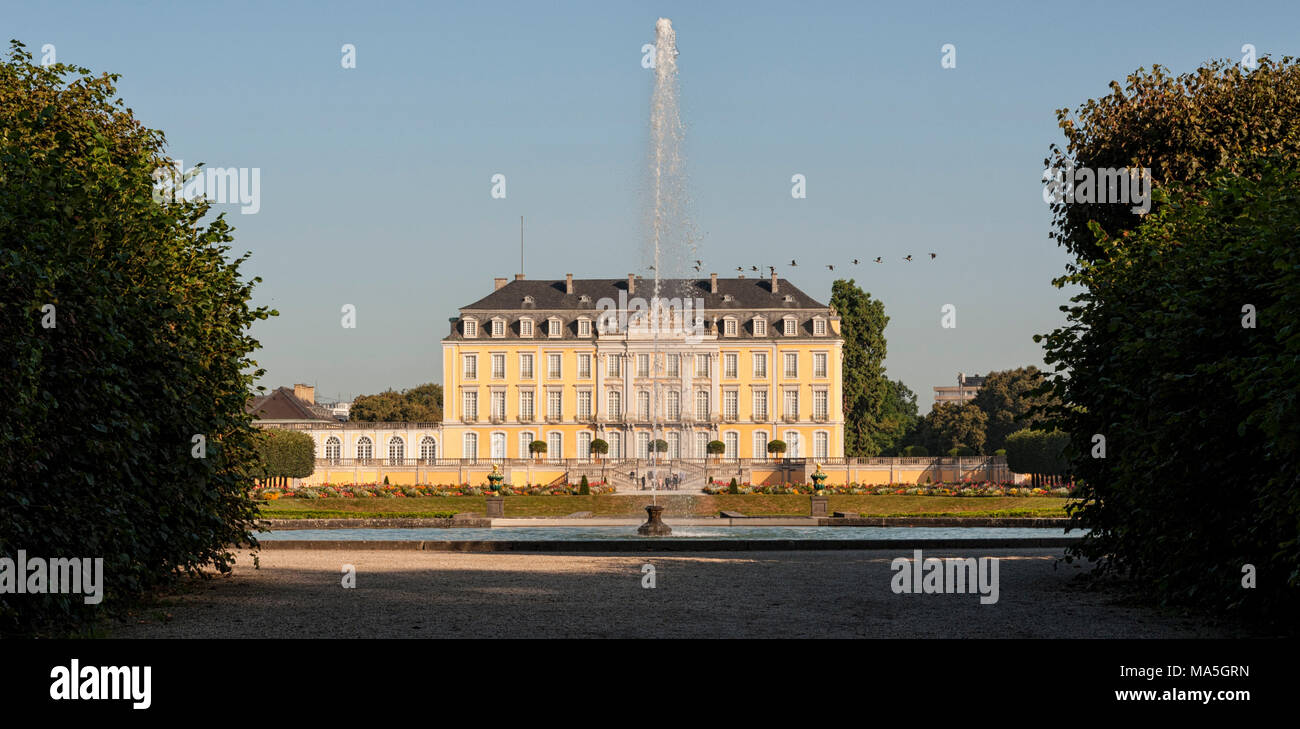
333, 449
428, 450
584, 444
396, 451
365, 448
674, 406
471, 446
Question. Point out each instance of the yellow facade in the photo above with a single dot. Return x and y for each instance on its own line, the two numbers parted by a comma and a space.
600, 380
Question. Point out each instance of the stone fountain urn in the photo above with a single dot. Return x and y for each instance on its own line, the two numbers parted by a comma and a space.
819, 479
494, 480
654, 525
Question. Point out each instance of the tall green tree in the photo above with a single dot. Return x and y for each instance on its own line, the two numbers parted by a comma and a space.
1181, 127
862, 324
1178, 364
124, 333
950, 425
898, 419
1011, 400
421, 404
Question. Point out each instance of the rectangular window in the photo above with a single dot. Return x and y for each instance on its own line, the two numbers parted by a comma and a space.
819, 327
471, 446
674, 406
554, 398
643, 405
470, 403
760, 365
819, 364
525, 366
471, 329
471, 366
498, 366
674, 365
791, 365
821, 446
643, 445
584, 404
584, 327
790, 404
729, 404
612, 368
526, 406
556, 327
760, 404
643, 365
526, 439
498, 328
553, 366
701, 365
702, 404
584, 445
729, 365
584, 366
729, 327
731, 445
760, 444
819, 404
615, 405
555, 445
760, 328
790, 327
526, 328
499, 405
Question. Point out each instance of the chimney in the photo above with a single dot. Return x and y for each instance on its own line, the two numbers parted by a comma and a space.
774, 285
713, 283
568, 283
306, 393
499, 282
631, 284
519, 277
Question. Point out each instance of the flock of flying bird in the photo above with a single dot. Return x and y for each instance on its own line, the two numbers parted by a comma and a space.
879, 259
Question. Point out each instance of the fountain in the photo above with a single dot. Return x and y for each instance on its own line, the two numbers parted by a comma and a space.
654, 525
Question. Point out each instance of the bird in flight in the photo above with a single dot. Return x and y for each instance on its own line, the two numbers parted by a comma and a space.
792, 263
878, 259
831, 267
753, 268
740, 268
855, 261
908, 257
699, 263
932, 256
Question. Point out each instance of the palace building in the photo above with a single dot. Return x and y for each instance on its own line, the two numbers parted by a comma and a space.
741, 360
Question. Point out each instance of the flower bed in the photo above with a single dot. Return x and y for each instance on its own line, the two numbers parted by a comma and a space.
388, 491
946, 488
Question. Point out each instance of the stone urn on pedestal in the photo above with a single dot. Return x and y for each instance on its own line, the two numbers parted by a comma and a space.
496, 503
820, 501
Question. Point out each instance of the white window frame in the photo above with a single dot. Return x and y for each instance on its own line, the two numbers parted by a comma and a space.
470, 328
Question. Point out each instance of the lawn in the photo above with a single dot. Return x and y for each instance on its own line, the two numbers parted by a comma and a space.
676, 505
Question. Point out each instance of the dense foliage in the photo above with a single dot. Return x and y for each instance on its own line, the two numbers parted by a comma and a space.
950, 425
1182, 351
421, 404
1011, 401
866, 389
287, 454
1038, 452
124, 334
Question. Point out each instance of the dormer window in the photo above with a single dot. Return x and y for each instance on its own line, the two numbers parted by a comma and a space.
529, 301
791, 326
729, 327
470, 328
498, 328
584, 327
728, 297
584, 299
554, 327
526, 328
819, 327
789, 299
760, 327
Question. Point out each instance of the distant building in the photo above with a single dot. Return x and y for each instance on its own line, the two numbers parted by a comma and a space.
967, 386
287, 407
341, 410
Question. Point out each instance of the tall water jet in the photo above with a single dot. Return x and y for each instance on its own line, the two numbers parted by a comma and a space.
669, 245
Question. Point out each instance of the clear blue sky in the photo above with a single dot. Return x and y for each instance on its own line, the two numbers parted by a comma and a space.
376, 180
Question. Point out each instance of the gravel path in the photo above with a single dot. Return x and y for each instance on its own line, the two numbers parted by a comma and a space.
297, 594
